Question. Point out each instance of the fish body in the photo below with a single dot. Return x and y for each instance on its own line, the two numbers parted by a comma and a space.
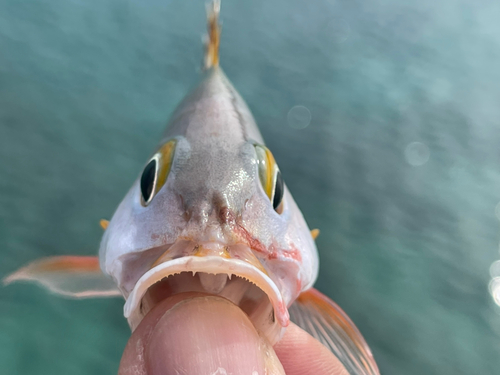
212, 215
210, 212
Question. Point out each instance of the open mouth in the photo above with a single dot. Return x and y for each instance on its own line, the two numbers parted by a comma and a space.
237, 280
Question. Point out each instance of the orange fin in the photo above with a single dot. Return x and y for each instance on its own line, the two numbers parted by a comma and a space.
104, 224
328, 323
315, 233
69, 276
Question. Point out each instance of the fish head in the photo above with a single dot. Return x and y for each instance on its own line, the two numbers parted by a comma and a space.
210, 213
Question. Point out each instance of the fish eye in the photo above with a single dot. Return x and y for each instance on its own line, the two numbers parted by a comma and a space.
155, 173
148, 180
279, 190
270, 177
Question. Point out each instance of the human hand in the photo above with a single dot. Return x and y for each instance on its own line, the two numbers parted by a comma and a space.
196, 334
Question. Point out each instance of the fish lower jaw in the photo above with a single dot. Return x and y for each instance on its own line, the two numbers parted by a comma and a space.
241, 283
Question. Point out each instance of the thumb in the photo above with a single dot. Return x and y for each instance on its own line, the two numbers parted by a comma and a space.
198, 335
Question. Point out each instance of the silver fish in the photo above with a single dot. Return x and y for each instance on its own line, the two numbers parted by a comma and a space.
210, 212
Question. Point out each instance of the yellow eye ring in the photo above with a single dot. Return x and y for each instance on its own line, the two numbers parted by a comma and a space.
156, 172
270, 177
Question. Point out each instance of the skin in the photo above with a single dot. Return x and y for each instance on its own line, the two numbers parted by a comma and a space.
156, 346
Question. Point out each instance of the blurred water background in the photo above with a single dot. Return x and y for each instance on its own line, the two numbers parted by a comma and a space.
384, 117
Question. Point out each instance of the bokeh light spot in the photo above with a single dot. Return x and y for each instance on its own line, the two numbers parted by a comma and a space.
299, 117
417, 154
494, 288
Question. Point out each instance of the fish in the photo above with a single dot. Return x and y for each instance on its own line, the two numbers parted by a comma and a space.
210, 212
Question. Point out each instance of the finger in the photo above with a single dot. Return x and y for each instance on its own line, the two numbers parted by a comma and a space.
198, 335
302, 354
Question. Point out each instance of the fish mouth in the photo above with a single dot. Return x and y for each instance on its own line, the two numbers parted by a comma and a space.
231, 272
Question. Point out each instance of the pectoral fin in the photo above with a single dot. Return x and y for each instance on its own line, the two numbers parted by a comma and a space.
328, 323
315, 233
104, 224
69, 276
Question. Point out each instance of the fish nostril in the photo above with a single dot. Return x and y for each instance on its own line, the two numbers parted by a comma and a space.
226, 216
186, 213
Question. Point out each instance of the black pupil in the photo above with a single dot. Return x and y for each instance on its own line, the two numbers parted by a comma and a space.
278, 191
148, 180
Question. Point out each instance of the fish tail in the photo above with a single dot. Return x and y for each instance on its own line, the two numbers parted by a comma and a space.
213, 35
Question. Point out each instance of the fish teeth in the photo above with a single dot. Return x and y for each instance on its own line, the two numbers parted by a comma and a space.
213, 283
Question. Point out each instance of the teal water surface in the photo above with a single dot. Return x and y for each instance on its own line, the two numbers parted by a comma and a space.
398, 165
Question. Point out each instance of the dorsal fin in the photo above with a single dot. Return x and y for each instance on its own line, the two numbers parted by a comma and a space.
213, 35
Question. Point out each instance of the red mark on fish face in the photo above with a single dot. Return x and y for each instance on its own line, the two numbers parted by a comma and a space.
254, 243
226, 216
293, 253
273, 252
